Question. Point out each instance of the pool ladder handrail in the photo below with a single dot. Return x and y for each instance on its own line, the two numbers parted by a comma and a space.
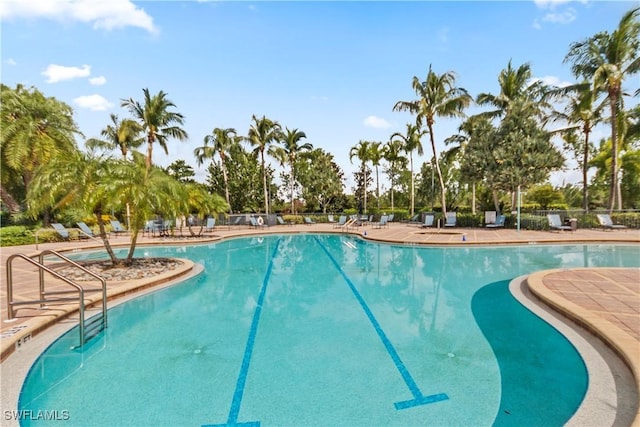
85, 328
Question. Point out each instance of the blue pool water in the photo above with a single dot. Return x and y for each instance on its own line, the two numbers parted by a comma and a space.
326, 330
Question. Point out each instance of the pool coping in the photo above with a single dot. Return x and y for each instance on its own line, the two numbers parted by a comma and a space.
626, 347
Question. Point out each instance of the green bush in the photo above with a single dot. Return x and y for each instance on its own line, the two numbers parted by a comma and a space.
16, 235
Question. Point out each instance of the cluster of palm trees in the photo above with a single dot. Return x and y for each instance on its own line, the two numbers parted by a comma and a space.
503, 147
264, 136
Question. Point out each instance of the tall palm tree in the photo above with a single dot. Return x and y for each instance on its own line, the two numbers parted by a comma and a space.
376, 154
580, 112
361, 151
516, 84
120, 135
392, 153
290, 149
410, 141
158, 123
220, 142
262, 133
461, 139
606, 59
438, 96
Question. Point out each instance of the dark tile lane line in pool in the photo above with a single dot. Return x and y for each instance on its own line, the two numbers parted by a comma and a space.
246, 360
418, 397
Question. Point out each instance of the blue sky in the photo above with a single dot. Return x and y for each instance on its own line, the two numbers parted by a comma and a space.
331, 69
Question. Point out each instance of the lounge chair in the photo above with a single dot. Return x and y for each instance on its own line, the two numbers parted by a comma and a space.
62, 232
238, 220
331, 219
499, 222
451, 219
116, 227
211, 223
415, 219
308, 221
607, 224
257, 222
390, 217
281, 221
352, 222
85, 231
383, 222
341, 221
428, 221
556, 224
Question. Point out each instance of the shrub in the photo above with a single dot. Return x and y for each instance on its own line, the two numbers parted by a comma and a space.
16, 235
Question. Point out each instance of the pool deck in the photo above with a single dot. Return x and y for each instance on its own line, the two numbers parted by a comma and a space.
606, 301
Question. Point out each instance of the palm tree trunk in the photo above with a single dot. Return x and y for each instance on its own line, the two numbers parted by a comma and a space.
364, 185
392, 185
412, 189
585, 159
226, 183
378, 187
614, 149
132, 247
473, 197
149, 154
293, 205
435, 157
9, 201
105, 239
264, 184
496, 201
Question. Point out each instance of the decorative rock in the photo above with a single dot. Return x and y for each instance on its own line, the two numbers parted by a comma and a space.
141, 268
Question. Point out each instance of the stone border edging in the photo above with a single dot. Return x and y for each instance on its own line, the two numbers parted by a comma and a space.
617, 339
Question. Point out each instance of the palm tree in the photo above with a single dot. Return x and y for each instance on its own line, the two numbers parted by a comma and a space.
515, 85
438, 96
158, 123
606, 59
580, 112
35, 130
122, 135
75, 180
220, 142
393, 154
410, 142
290, 149
376, 155
262, 133
361, 151
466, 132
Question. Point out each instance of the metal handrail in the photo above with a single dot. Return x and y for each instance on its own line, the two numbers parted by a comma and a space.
43, 299
84, 269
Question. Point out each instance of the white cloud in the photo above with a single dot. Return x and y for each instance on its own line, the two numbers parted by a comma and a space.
58, 73
549, 4
376, 122
106, 15
10, 61
93, 102
97, 81
565, 17
553, 81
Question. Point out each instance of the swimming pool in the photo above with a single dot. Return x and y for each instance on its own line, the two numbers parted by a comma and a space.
326, 330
